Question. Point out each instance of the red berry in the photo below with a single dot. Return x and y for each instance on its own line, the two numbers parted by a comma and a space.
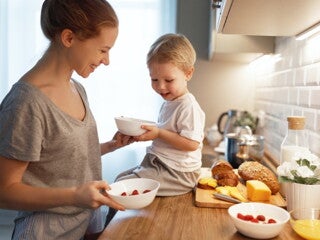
248, 217
240, 216
254, 220
261, 218
135, 192
146, 191
124, 194
272, 221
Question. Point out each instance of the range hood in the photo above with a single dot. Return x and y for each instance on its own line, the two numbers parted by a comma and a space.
266, 17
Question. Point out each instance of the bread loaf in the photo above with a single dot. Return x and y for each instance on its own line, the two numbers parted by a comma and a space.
252, 170
223, 172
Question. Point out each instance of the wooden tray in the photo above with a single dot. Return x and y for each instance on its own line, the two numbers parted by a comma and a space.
205, 198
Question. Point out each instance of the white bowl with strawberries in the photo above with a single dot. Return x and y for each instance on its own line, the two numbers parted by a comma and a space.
258, 220
134, 193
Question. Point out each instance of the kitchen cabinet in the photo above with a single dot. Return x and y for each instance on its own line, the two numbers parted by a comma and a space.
266, 17
240, 48
197, 20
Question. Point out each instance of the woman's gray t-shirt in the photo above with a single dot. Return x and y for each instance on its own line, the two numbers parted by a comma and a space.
61, 150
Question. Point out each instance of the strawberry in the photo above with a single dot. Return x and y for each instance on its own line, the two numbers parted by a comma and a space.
261, 218
254, 220
146, 191
124, 194
248, 217
240, 216
135, 192
271, 220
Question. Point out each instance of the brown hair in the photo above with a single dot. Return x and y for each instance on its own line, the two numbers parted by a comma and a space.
84, 17
173, 48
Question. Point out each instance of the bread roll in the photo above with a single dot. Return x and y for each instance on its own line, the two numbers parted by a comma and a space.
232, 182
252, 170
220, 166
223, 172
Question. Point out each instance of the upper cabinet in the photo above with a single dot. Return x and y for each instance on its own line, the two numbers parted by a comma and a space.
242, 29
195, 20
266, 17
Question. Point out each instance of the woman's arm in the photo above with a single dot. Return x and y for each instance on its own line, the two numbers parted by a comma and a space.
19, 196
172, 138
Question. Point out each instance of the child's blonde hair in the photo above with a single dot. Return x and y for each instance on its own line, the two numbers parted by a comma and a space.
173, 48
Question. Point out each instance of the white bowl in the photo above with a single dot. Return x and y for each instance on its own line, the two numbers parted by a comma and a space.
128, 186
131, 126
261, 230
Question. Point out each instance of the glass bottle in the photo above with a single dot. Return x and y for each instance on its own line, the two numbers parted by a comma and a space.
295, 141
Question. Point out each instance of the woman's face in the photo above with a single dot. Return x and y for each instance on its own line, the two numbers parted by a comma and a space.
86, 55
169, 81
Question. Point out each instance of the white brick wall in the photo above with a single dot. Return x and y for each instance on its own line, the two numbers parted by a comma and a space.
290, 87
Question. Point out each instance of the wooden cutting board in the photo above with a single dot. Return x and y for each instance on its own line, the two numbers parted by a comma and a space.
205, 198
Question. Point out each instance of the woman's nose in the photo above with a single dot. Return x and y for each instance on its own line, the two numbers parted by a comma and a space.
105, 60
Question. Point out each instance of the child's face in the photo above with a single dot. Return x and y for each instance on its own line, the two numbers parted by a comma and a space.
168, 80
87, 55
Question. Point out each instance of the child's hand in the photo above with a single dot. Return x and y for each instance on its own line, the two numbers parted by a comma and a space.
152, 133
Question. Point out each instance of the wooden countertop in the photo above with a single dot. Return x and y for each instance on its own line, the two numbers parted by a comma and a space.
175, 218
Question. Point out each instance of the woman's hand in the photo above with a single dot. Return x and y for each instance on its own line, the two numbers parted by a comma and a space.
93, 195
119, 140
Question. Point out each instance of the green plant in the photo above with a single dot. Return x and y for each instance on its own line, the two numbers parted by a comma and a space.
247, 119
300, 171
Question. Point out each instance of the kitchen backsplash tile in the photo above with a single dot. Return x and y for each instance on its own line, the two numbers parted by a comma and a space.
312, 75
315, 98
304, 94
290, 87
299, 77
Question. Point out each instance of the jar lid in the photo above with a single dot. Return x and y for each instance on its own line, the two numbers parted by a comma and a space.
296, 122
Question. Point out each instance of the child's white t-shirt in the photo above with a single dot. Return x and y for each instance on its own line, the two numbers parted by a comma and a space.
185, 117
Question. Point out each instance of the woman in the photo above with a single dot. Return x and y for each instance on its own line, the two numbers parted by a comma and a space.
50, 154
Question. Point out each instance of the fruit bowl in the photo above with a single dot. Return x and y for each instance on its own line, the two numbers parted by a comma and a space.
258, 220
134, 193
132, 126
306, 222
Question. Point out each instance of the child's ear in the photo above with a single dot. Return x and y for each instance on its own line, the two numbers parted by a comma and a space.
189, 73
67, 37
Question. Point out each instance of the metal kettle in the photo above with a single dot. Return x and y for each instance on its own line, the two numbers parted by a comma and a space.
243, 146
229, 119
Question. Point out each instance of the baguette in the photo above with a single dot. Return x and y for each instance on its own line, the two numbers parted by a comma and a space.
252, 170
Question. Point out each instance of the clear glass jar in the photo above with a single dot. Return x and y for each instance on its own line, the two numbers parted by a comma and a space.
295, 141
